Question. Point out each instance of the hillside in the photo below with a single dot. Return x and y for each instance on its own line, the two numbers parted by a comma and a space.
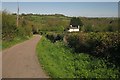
60, 22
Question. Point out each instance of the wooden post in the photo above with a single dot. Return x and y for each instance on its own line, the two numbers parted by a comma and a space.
17, 14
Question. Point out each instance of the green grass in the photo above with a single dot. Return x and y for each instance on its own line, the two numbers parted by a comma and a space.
89, 67
60, 62
55, 59
7, 44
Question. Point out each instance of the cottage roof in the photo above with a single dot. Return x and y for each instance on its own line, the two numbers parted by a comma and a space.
73, 27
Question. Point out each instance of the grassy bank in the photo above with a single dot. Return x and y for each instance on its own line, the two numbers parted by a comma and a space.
59, 61
55, 58
7, 44
13, 34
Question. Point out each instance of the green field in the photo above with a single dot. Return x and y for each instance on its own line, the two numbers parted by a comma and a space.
60, 22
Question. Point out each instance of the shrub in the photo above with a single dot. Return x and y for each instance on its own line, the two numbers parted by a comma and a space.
54, 36
98, 44
60, 62
9, 29
8, 26
76, 21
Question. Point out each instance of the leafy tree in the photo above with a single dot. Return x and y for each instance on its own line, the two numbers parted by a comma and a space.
76, 21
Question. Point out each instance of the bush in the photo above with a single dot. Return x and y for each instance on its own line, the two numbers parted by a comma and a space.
8, 26
88, 28
76, 21
98, 44
52, 36
60, 62
10, 30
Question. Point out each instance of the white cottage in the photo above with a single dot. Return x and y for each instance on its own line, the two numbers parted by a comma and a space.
74, 29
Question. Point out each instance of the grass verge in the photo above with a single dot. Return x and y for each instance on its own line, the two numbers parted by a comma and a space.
54, 59
60, 62
7, 44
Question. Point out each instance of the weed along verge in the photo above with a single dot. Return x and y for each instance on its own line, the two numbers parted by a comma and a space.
11, 33
60, 61
54, 59
6, 44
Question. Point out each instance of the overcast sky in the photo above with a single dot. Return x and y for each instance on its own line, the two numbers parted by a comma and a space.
87, 9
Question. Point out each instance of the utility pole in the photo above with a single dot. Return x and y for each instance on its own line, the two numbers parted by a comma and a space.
17, 14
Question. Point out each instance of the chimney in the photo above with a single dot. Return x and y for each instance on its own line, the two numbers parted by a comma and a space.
78, 27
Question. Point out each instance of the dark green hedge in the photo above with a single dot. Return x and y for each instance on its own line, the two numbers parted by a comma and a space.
98, 44
53, 36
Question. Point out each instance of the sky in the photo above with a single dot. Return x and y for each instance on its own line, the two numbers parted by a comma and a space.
61, 0
84, 9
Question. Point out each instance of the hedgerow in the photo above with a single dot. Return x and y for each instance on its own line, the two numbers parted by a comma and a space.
10, 30
60, 61
11, 33
99, 44
52, 36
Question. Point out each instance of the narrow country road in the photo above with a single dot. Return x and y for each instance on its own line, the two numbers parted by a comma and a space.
20, 61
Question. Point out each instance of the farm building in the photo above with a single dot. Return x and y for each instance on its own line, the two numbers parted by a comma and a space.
73, 28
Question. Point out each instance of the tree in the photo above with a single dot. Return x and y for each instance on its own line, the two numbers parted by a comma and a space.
76, 21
